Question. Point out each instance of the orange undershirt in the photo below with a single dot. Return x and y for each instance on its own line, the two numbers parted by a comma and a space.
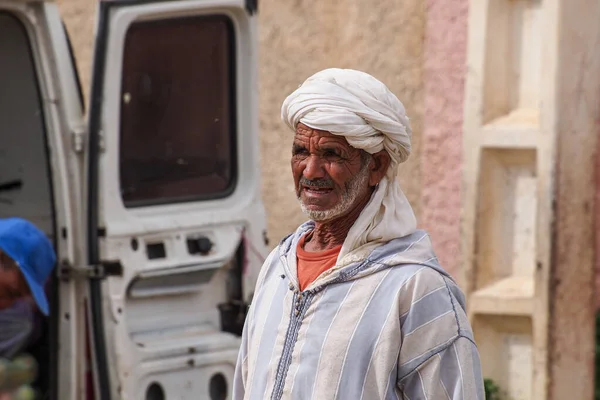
311, 264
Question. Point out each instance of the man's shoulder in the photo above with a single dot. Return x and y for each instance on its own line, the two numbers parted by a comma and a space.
421, 280
435, 294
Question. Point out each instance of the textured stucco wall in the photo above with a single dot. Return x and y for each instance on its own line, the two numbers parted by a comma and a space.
298, 38
598, 225
441, 157
79, 17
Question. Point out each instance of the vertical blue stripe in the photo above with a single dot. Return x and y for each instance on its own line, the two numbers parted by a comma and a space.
267, 340
311, 322
328, 305
260, 293
291, 337
413, 387
366, 334
450, 372
476, 362
390, 392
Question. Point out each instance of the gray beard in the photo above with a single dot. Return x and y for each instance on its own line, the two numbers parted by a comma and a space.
354, 188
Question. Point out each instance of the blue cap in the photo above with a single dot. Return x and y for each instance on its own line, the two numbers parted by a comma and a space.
30, 248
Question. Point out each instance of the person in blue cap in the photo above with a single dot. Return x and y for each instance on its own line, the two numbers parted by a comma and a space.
27, 258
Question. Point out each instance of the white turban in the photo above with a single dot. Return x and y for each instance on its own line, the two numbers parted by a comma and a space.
357, 106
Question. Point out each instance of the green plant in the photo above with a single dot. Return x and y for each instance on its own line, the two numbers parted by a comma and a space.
492, 390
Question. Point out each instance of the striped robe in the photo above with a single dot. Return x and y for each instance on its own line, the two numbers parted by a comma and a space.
392, 326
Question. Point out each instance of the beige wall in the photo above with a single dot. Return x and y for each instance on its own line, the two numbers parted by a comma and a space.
79, 17
298, 38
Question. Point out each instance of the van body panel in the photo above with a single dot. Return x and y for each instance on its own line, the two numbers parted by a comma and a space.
154, 202
174, 157
32, 158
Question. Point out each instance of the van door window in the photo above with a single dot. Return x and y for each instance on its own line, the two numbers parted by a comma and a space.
25, 185
177, 139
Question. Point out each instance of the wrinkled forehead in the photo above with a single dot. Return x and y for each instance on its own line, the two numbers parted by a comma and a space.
315, 137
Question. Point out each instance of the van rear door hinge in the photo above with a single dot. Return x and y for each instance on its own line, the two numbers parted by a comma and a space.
103, 270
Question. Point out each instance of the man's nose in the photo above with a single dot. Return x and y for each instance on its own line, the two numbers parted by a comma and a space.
314, 168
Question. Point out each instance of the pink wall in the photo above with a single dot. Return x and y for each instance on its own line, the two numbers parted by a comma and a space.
444, 69
445, 66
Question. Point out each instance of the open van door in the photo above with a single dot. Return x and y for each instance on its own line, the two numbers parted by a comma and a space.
41, 159
175, 221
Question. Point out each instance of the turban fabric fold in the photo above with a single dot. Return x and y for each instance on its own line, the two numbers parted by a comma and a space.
362, 109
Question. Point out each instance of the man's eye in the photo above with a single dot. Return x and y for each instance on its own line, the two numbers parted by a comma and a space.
331, 153
299, 151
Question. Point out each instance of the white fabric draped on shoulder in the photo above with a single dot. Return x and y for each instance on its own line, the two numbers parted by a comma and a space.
359, 107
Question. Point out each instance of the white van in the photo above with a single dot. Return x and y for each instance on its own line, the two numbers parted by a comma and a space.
153, 205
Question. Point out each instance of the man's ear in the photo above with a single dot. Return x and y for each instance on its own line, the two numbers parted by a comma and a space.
380, 163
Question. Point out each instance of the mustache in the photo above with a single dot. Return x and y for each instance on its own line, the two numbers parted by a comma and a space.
320, 183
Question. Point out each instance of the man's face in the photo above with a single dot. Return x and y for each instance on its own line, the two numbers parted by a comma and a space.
12, 283
330, 176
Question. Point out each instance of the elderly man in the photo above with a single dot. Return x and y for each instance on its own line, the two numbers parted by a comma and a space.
354, 304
